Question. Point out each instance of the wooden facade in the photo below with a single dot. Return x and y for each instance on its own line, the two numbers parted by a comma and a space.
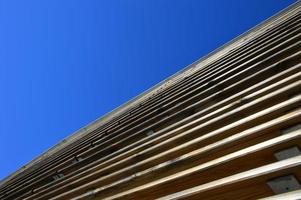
226, 127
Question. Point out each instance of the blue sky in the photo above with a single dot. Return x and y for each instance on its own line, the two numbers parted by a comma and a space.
65, 63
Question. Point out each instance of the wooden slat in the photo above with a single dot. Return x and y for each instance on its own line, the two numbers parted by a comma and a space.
218, 183
279, 83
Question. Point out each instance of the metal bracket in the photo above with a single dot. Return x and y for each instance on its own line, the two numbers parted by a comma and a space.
149, 132
284, 184
291, 129
287, 153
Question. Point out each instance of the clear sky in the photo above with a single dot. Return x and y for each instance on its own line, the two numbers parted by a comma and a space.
65, 63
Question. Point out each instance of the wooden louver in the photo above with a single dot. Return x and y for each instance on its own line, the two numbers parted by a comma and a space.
226, 127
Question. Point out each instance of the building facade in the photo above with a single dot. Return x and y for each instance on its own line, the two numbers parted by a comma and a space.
226, 127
